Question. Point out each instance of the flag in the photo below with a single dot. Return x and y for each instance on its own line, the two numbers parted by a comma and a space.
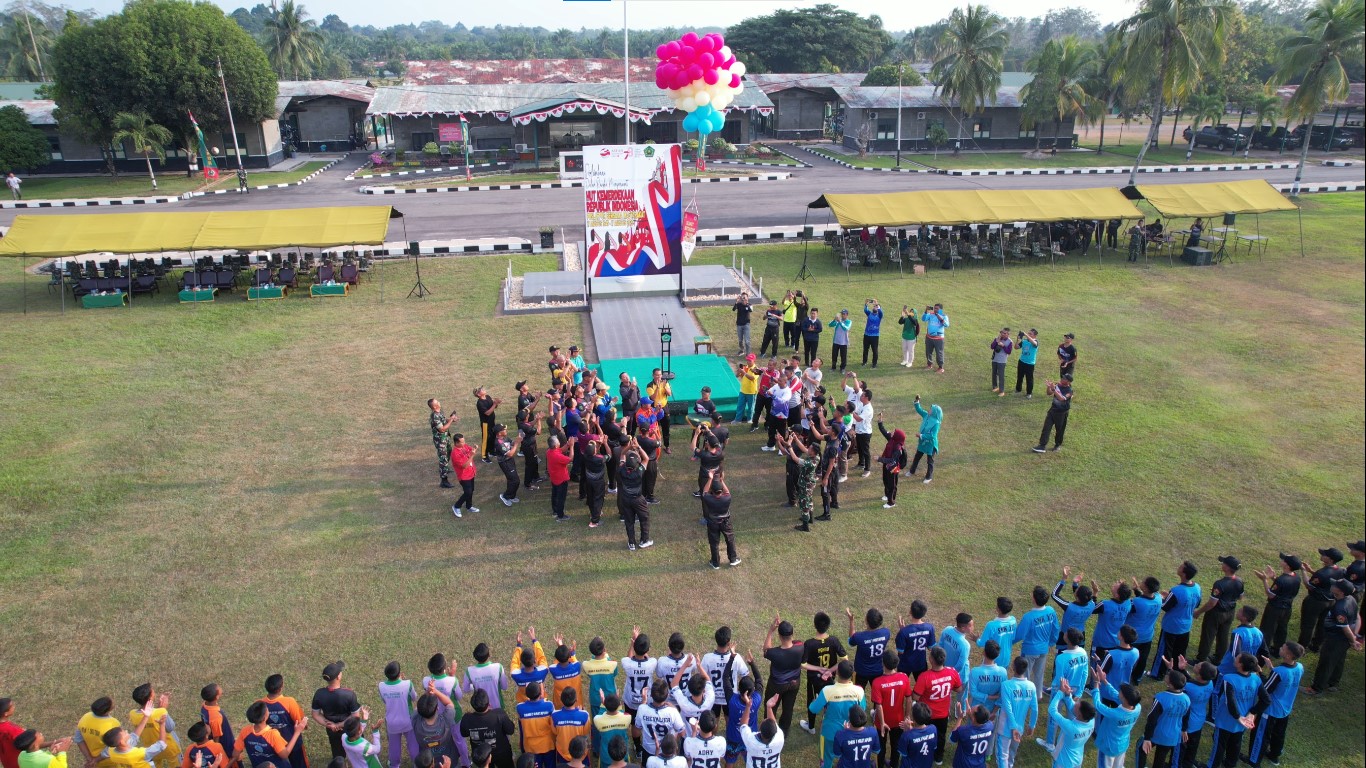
465, 132
210, 167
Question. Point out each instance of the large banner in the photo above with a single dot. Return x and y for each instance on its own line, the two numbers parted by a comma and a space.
633, 209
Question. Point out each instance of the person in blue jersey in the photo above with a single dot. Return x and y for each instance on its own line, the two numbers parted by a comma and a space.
1178, 608
1037, 631
738, 706
1017, 715
1245, 638
1077, 612
972, 734
869, 644
1166, 724
872, 329
1119, 663
913, 640
918, 738
1111, 614
957, 644
1071, 669
1281, 686
1074, 720
1238, 701
1200, 690
984, 680
858, 742
1001, 629
1147, 605
1115, 723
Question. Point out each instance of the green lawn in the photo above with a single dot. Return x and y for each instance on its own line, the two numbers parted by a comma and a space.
135, 185
218, 492
457, 179
1112, 156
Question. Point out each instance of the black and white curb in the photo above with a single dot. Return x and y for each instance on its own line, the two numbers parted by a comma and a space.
550, 185
756, 163
1313, 188
421, 171
304, 180
87, 203
509, 245
1102, 170
1341, 163
755, 234
851, 166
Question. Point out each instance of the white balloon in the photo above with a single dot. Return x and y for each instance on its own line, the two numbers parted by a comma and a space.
738, 68
688, 104
702, 99
725, 52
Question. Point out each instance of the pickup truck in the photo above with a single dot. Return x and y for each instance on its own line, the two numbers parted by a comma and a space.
1318, 138
1220, 137
1274, 139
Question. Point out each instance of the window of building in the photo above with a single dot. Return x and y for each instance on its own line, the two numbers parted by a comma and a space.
886, 129
981, 128
54, 144
1026, 133
421, 139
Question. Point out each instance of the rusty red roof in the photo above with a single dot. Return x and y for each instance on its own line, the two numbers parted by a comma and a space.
500, 71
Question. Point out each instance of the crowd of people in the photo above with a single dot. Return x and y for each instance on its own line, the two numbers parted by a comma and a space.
890, 697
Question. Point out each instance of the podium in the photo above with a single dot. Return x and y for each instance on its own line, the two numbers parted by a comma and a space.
1196, 256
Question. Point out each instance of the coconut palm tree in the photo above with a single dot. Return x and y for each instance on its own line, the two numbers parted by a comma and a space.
25, 42
293, 43
1203, 108
1177, 39
1332, 35
1069, 64
968, 58
147, 138
1266, 109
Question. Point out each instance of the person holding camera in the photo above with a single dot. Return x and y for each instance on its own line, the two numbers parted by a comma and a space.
872, 328
773, 320
839, 340
709, 453
1001, 347
1061, 392
1028, 342
742, 311
927, 442
910, 331
1067, 357
936, 322
810, 329
716, 511
893, 458
789, 309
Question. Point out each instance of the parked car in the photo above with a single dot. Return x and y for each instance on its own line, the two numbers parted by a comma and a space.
1318, 138
1220, 137
1274, 138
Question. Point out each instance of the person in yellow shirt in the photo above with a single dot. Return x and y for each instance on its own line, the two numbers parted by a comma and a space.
612, 723
169, 755
749, 389
789, 308
538, 731
30, 745
659, 391
528, 665
123, 754
92, 727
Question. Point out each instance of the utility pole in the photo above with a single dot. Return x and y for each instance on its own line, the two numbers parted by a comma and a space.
232, 125
626, 58
898, 114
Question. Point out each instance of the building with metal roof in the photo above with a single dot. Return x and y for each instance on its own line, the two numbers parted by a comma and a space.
871, 112
323, 115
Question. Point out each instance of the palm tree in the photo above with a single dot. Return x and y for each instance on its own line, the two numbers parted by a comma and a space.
1265, 108
293, 42
1105, 82
1177, 39
1332, 35
147, 138
968, 58
1069, 63
24, 43
1204, 107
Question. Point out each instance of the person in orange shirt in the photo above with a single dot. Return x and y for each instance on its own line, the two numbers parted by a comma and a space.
261, 743
204, 752
570, 722
212, 715
282, 712
538, 730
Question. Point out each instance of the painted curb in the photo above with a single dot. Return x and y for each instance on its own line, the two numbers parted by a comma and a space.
421, 171
1098, 170
304, 180
550, 185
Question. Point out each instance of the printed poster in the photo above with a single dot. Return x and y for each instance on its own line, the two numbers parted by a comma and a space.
633, 209
689, 234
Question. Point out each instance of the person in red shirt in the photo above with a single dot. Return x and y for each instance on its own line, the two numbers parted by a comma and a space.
763, 403
462, 458
557, 460
890, 694
936, 686
9, 755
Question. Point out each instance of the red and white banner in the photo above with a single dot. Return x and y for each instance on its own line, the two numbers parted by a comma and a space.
689, 234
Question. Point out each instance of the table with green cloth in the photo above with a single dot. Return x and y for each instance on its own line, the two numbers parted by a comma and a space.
115, 299
190, 296
264, 292
324, 289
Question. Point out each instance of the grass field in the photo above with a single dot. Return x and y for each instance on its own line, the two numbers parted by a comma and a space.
218, 492
458, 179
134, 185
1112, 156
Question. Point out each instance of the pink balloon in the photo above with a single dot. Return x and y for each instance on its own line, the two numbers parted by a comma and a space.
671, 48
704, 44
660, 82
681, 79
712, 76
707, 60
688, 38
735, 81
694, 72
667, 69
662, 51
729, 61
687, 54
718, 39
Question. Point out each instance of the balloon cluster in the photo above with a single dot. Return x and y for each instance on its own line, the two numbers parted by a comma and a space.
702, 77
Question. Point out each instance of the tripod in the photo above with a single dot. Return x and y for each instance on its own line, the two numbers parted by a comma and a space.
804, 273
419, 290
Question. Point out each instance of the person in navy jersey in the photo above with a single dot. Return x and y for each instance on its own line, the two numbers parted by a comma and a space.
810, 328
1281, 686
1318, 597
918, 739
1218, 611
913, 640
1178, 608
869, 645
1146, 606
858, 743
1340, 633
973, 738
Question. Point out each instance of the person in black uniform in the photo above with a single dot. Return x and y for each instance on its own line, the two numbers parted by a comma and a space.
487, 407
1339, 634
529, 429
506, 452
709, 454
1318, 597
1218, 611
616, 440
1356, 570
1280, 601
716, 514
1067, 356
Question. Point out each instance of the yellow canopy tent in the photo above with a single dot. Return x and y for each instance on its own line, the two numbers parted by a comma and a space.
954, 207
1212, 199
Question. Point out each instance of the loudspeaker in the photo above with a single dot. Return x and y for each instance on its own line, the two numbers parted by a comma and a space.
1230, 219
413, 248
807, 232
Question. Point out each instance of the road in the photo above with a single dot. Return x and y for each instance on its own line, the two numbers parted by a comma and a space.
520, 213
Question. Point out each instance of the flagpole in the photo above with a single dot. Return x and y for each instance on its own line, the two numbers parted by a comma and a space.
232, 126
626, 57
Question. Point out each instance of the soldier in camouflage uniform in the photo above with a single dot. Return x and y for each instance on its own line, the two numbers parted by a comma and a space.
806, 476
441, 437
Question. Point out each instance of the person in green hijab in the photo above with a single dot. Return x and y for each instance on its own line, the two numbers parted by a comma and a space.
928, 444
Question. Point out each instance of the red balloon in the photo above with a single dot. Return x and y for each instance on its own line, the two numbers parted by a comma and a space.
688, 38
694, 72
707, 60
712, 76
660, 82
735, 81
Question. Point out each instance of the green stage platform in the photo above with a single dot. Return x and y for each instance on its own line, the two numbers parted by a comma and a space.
691, 373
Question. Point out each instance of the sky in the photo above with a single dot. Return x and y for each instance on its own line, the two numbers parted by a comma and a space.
643, 14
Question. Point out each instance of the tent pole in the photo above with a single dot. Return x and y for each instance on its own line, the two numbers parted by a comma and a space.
1300, 213
130, 281
63, 286
23, 271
